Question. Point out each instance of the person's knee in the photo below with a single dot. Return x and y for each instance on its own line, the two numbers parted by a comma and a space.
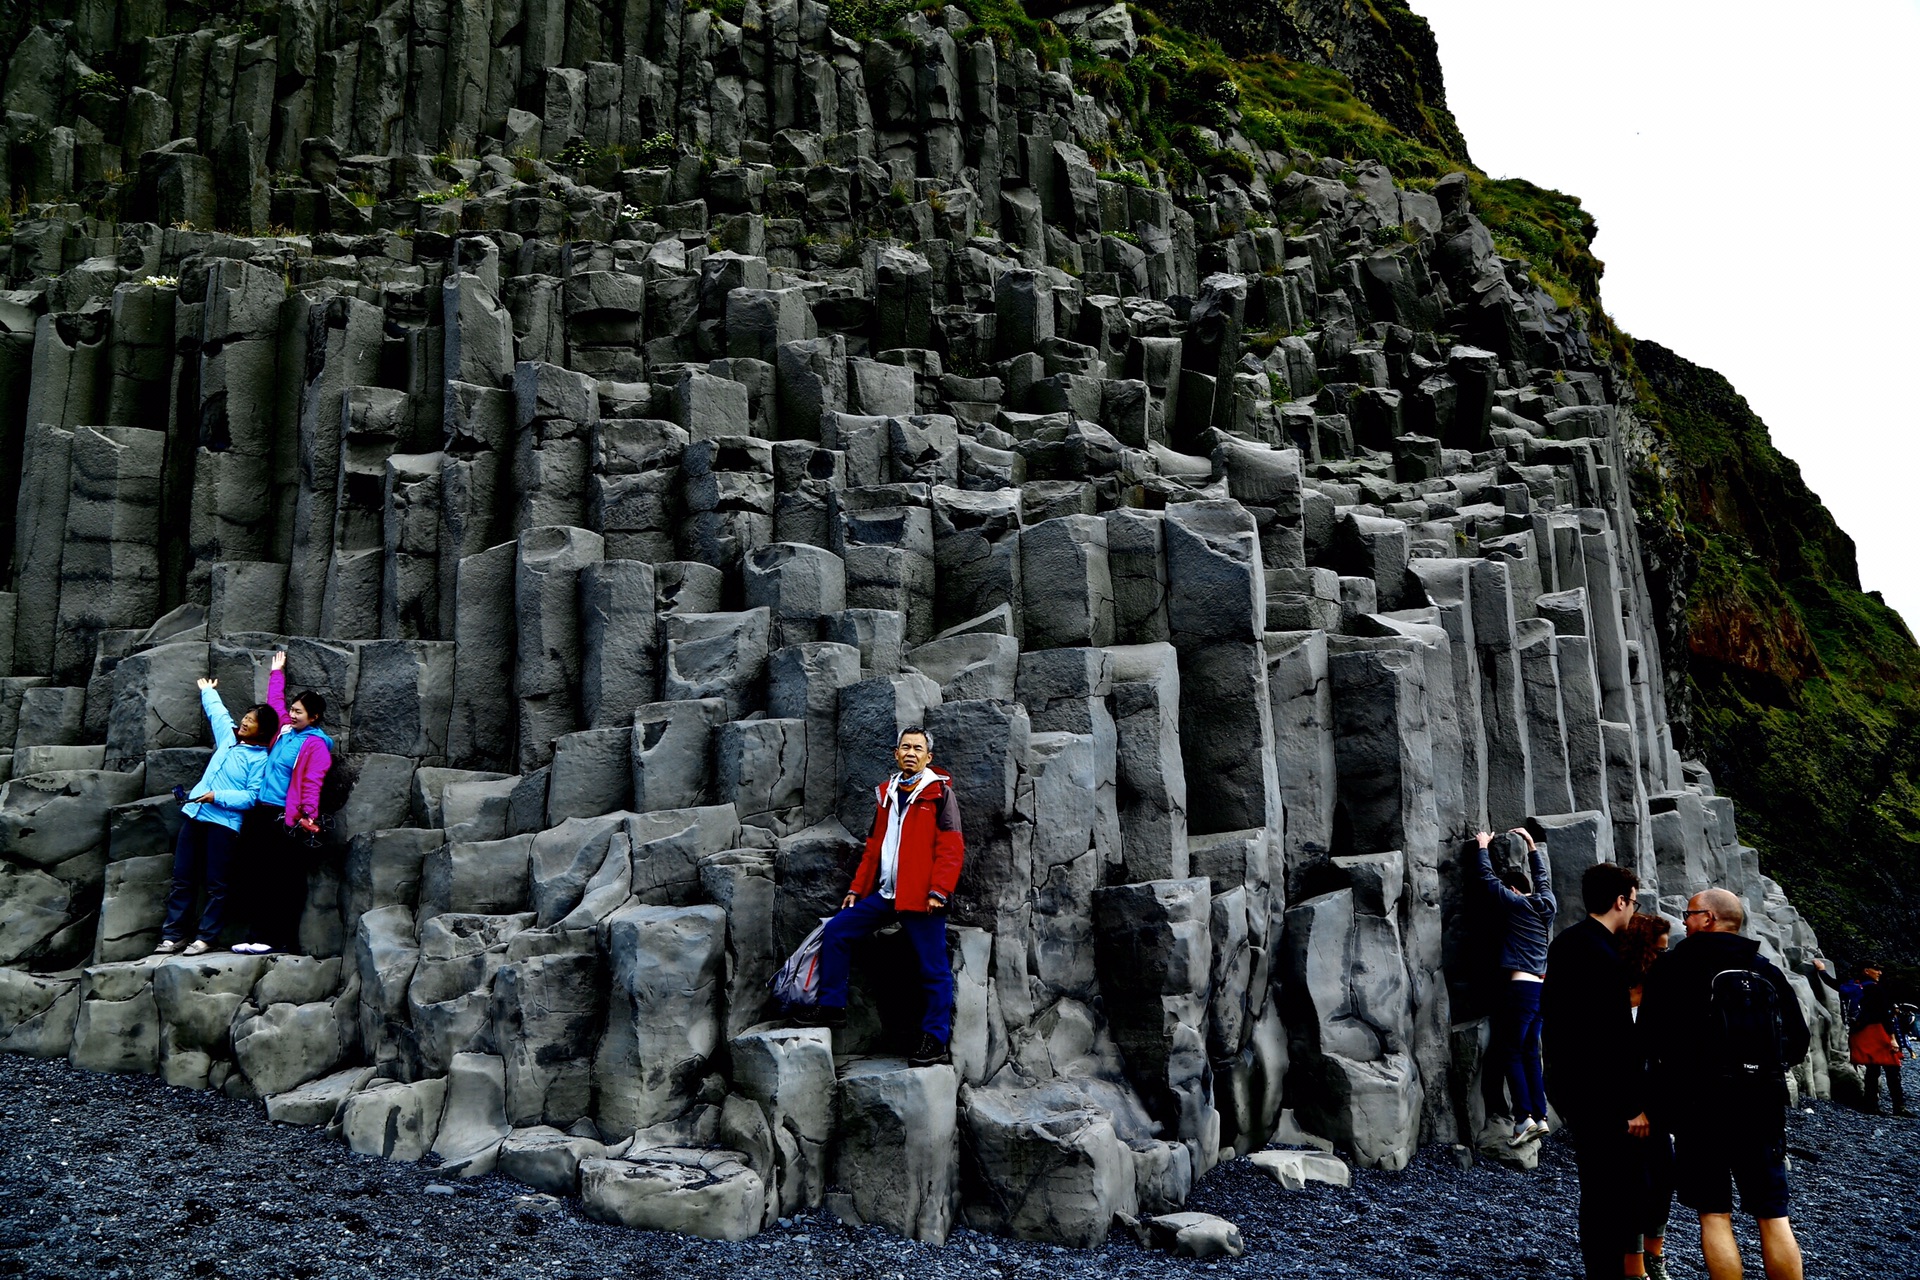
850, 923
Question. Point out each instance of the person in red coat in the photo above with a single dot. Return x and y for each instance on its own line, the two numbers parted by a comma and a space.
906, 875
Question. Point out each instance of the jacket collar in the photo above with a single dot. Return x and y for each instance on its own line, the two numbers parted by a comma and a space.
927, 779
1721, 949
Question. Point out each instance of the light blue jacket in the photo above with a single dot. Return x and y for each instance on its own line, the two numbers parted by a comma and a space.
281, 757
232, 776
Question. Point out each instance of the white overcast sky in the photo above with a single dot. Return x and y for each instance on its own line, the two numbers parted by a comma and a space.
1755, 170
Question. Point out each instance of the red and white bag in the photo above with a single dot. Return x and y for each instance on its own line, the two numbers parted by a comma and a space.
798, 982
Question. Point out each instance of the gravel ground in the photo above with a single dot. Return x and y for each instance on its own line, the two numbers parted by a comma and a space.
115, 1176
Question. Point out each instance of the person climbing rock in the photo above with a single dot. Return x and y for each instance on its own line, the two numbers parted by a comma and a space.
203, 853
906, 876
1725, 1028
1872, 1040
1594, 1073
1525, 903
275, 835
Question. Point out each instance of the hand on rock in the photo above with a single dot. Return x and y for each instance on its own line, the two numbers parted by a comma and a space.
1639, 1126
1485, 838
280, 660
1523, 833
206, 684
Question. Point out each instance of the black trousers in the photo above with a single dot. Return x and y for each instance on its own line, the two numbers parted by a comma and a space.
275, 877
1613, 1192
204, 853
1894, 1090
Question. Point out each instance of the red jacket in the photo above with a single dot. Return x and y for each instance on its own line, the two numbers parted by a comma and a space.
931, 846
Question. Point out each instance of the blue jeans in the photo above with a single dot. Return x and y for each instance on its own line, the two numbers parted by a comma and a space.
1516, 1034
204, 851
926, 930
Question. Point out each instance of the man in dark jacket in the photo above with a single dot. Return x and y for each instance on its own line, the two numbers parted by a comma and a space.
1727, 1114
1524, 906
907, 873
1595, 1075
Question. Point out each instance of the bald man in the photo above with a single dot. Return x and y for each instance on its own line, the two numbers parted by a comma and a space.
1728, 1120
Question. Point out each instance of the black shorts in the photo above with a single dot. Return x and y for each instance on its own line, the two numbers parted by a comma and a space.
1710, 1162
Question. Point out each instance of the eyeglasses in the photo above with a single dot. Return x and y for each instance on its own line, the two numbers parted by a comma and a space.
1697, 911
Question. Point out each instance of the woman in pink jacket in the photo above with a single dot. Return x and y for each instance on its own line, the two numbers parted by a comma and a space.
279, 828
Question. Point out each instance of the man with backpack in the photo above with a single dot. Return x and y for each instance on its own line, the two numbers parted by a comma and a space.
1725, 1028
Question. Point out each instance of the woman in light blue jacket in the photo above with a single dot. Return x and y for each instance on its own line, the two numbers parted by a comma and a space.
204, 851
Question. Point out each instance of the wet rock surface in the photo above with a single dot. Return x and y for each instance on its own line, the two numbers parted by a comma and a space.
105, 1176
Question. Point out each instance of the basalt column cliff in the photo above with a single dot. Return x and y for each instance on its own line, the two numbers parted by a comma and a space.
630, 416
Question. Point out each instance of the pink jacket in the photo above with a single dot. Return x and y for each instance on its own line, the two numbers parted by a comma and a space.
308, 768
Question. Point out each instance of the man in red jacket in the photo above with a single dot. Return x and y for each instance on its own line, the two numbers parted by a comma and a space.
907, 873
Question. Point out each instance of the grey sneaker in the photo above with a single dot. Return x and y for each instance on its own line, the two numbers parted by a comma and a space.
167, 947
198, 947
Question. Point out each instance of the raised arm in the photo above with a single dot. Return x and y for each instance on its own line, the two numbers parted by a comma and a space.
217, 715
1825, 974
1483, 863
277, 685
1542, 876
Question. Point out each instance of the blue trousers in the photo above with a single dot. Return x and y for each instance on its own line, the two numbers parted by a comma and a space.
204, 851
1516, 1033
926, 930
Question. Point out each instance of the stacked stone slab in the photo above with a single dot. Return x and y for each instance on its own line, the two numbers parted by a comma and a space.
631, 420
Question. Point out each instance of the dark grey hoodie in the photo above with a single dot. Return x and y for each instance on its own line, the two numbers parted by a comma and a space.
1525, 918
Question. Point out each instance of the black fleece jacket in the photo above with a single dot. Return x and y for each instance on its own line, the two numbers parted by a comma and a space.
1594, 1066
1673, 1013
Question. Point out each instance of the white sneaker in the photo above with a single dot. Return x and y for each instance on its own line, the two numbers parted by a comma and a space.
1530, 1130
167, 947
198, 947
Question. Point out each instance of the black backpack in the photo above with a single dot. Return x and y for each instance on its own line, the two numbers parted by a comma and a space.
1747, 1037
336, 786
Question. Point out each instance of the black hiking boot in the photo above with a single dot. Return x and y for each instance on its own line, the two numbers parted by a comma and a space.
831, 1019
931, 1053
